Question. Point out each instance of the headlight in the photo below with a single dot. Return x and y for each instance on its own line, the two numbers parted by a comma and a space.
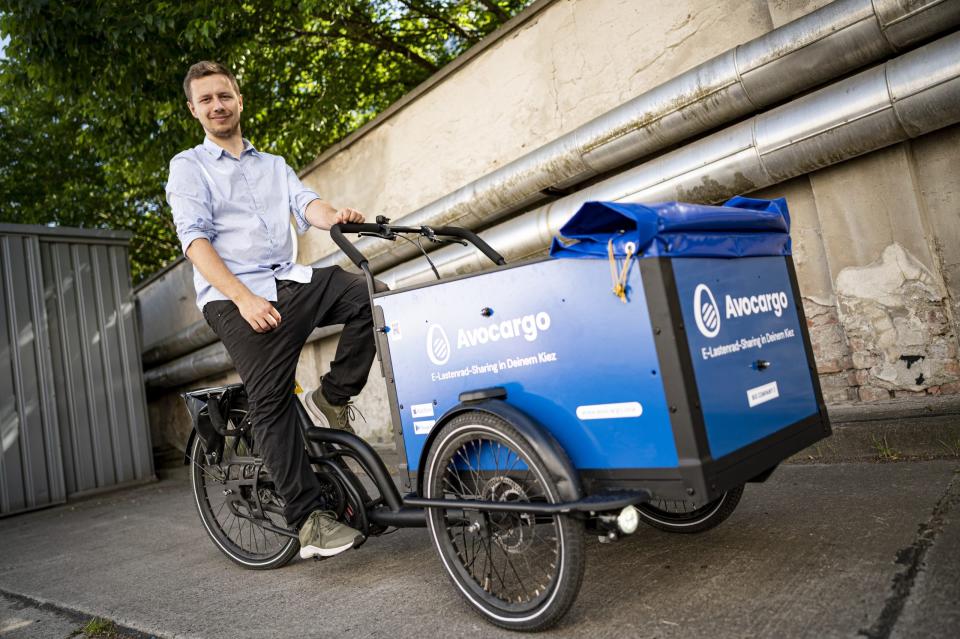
628, 520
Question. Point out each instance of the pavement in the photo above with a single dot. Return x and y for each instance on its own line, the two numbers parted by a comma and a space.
866, 545
25, 619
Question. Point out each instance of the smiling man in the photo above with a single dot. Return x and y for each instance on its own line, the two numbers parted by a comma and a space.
232, 205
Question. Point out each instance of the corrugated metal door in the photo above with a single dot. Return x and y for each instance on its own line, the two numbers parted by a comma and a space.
97, 372
73, 415
31, 471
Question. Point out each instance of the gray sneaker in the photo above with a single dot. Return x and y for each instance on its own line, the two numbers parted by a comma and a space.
327, 415
323, 535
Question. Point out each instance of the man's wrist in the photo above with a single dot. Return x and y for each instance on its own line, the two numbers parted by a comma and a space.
241, 296
320, 214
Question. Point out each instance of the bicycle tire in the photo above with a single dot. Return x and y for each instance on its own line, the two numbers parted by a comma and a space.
500, 536
237, 538
680, 516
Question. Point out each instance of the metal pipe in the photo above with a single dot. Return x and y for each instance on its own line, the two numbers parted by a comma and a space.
190, 339
208, 361
829, 42
909, 96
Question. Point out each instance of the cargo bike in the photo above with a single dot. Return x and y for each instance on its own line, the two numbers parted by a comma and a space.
646, 380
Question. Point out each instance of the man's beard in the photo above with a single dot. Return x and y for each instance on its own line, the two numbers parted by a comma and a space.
225, 130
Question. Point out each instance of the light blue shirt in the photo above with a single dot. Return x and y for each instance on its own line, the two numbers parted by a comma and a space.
243, 207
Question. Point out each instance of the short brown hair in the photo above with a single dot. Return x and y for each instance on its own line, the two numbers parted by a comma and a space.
204, 68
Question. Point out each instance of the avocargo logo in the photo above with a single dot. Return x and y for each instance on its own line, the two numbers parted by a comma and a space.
756, 304
438, 345
706, 312
528, 327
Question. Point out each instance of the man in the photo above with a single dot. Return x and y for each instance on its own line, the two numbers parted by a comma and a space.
232, 205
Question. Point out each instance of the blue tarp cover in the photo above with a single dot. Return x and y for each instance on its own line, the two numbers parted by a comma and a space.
742, 227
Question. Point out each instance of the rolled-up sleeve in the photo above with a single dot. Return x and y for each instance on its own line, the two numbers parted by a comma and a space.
189, 198
300, 197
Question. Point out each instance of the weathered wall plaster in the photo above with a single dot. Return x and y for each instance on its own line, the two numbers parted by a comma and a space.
831, 351
893, 313
936, 162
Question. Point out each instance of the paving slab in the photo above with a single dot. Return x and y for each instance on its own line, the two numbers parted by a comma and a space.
932, 608
26, 618
815, 552
20, 620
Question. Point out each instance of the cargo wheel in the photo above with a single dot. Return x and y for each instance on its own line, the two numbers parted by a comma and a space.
521, 571
681, 516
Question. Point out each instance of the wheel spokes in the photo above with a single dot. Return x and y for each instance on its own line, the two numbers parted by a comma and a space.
506, 554
247, 535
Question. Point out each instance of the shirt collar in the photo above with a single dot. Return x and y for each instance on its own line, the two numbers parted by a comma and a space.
217, 151
249, 148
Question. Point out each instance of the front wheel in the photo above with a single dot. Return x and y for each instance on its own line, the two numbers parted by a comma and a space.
521, 571
681, 516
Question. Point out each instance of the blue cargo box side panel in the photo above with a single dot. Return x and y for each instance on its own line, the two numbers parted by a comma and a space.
741, 315
568, 351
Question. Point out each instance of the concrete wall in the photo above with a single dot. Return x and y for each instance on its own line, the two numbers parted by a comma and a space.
877, 239
876, 246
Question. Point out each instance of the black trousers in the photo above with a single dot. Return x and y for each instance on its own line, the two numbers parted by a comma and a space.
267, 363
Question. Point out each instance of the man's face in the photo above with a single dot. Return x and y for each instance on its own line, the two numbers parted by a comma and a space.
216, 104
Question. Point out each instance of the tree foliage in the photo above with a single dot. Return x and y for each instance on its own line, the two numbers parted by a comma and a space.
92, 107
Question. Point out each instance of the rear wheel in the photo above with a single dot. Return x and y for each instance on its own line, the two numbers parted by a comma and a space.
521, 571
681, 516
223, 493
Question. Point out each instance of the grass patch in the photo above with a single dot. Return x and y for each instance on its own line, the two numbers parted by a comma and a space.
952, 446
98, 628
885, 452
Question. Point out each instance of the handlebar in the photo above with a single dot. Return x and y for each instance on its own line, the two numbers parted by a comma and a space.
388, 232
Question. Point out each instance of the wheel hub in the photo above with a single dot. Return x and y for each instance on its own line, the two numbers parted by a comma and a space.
511, 531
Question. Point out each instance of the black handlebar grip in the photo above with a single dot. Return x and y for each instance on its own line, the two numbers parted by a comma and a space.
473, 238
337, 231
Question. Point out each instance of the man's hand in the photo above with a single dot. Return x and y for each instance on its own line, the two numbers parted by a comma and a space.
259, 313
347, 215
323, 215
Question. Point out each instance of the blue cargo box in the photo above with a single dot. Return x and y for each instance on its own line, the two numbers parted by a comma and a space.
702, 380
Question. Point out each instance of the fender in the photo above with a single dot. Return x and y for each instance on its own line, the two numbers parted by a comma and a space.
208, 424
194, 405
186, 451
203, 424
555, 458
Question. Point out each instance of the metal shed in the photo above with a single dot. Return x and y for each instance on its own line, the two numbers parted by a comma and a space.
73, 416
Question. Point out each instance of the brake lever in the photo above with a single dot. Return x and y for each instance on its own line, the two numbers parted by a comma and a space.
383, 236
448, 241
431, 235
